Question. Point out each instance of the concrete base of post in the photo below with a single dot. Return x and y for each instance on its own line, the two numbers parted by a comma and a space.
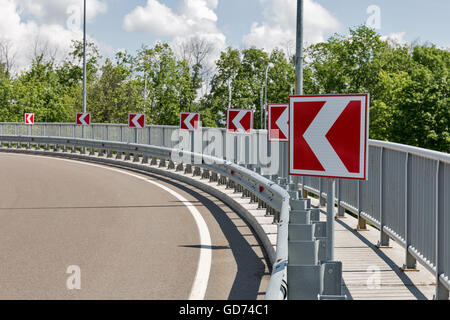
410, 263
340, 212
383, 243
442, 293
362, 225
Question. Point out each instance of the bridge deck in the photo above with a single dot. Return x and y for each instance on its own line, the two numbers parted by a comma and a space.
361, 259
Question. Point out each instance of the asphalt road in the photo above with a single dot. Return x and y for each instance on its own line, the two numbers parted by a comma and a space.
130, 238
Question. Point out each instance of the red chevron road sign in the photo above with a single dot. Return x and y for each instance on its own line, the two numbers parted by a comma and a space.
278, 122
136, 120
328, 136
240, 121
29, 118
83, 119
189, 121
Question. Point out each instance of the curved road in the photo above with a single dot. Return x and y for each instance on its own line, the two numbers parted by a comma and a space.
130, 238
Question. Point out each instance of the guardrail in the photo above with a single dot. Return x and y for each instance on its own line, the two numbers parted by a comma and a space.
407, 197
272, 196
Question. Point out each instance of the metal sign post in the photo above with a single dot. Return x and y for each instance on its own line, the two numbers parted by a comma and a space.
330, 218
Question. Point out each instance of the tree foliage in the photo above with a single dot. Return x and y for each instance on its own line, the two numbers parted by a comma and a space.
408, 84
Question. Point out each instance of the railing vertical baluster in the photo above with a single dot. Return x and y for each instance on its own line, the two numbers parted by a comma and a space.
362, 224
384, 238
442, 293
410, 261
149, 135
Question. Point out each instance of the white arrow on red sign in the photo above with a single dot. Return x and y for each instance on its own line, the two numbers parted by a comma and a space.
29, 118
189, 120
278, 122
83, 119
329, 136
240, 121
136, 120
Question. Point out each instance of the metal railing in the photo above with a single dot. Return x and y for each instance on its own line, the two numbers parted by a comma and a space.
407, 197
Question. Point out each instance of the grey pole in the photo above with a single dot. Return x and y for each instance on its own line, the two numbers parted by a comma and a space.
298, 66
84, 64
262, 103
299, 50
229, 94
270, 65
330, 218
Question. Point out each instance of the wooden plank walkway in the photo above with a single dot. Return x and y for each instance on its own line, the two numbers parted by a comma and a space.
370, 273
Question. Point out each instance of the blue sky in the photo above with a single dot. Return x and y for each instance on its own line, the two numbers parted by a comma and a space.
419, 20
128, 24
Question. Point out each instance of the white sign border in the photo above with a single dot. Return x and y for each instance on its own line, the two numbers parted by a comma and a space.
364, 141
25, 118
277, 105
251, 122
199, 120
90, 118
142, 114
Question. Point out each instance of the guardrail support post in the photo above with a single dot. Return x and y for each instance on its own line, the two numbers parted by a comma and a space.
180, 167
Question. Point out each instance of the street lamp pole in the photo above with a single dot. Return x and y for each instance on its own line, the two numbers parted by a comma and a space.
84, 63
270, 65
229, 94
264, 108
299, 50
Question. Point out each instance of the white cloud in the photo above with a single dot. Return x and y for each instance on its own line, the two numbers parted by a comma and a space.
27, 25
279, 26
55, 11
193, 19
396, 37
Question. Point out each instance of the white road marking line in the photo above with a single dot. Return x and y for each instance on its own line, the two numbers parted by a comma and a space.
198, 290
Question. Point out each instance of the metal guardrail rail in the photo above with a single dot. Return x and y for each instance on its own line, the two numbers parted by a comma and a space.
407, 195
275, 198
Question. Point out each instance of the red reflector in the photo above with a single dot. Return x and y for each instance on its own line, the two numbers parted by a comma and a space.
261, 189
